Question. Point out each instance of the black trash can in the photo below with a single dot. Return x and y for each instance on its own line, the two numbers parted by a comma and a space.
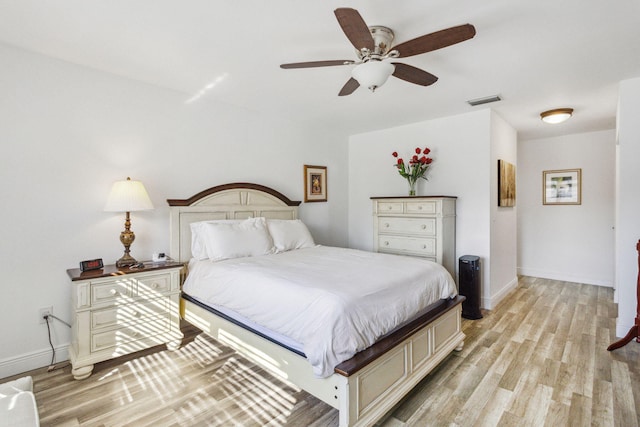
470, 275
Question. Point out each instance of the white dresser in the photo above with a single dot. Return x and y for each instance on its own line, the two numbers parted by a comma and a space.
117, 311
423, 226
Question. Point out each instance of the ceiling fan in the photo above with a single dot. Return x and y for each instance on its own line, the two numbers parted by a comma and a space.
373, 50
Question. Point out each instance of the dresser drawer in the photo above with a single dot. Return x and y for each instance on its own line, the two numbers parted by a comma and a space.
119, 338
127, 314
404, 245
154, 285
412, 226
422, 207
390, 207
420, 226
110, 291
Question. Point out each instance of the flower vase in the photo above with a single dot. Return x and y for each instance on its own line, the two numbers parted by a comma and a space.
412, 187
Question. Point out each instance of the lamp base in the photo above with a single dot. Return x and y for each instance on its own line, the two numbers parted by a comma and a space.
126, 261
126, 238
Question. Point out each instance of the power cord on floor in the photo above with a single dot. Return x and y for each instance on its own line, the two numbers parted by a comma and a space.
46, 317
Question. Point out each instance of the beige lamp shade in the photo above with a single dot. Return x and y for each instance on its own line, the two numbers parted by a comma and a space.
128, 196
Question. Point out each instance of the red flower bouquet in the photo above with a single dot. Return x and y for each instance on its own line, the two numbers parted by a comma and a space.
417, 167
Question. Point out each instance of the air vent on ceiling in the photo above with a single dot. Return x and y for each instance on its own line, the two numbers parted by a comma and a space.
485, 100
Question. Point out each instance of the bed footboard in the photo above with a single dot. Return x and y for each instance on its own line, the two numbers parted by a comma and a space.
377, 387
365, 387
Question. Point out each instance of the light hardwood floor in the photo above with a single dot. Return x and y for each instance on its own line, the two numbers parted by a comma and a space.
538, 359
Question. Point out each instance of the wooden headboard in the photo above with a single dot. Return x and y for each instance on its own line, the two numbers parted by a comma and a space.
229, 201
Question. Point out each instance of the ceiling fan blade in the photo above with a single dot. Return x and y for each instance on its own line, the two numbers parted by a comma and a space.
354, 28
313, 64
434, 41
349, 87
412, 74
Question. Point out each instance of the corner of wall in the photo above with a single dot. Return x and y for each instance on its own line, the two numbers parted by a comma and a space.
491, 302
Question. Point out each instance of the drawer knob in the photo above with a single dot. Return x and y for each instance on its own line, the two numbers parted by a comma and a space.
424, 226
386, 243
386, 224
424, 246
389, 207
419, 208
154, 285
113, 292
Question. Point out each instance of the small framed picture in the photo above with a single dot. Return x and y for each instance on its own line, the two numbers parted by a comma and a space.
315, 183
562, 187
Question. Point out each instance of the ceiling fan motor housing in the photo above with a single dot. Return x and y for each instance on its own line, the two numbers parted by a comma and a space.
382, 39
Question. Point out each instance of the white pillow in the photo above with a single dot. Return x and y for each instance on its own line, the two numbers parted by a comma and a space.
199, 239
289, 234
235, 240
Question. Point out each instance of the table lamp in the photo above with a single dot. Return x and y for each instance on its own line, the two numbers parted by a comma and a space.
127, 196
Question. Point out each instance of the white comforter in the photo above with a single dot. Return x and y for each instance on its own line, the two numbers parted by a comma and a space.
334, 301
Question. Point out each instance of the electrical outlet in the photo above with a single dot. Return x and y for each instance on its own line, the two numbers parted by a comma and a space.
44, 312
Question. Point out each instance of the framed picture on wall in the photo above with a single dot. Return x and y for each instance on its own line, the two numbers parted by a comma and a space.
315, 183
506, 184
562, 187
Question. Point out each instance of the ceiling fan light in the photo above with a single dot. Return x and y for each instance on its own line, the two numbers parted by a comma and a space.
372, 74
558, 115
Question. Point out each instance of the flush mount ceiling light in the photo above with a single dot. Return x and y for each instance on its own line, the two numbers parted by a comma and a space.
558, 115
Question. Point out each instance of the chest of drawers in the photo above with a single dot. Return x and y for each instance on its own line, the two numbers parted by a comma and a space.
416, 226
120, 311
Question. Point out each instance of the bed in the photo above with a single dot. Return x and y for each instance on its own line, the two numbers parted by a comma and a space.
364, 387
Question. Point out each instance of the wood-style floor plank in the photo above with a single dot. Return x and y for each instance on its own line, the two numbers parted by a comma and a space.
539, 359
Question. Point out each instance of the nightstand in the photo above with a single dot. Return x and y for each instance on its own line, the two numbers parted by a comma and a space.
117, 311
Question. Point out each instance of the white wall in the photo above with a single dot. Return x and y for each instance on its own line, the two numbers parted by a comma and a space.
628, 203
504, 250
568, 242
68, 132
463, 166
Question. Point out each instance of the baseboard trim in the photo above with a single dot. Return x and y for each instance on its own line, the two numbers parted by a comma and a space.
30, 361
554, 275
490, 303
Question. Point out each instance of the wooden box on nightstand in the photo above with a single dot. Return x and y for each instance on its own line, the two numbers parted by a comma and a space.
117, 311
